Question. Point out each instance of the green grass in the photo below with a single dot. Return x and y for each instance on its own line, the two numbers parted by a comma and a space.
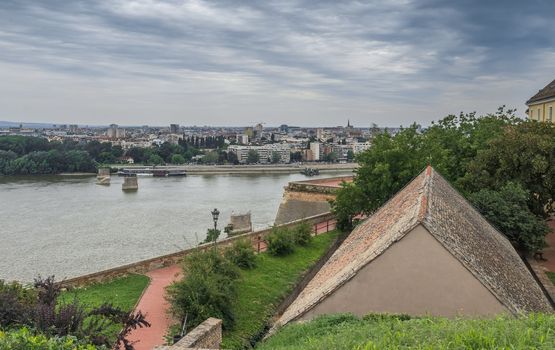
260, 290
551, 276
348, 332
122, 292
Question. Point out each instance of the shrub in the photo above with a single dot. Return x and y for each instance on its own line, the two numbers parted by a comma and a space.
302, 234
23, 339
207, 291
241, 254
16, 304
280, 242
38, 308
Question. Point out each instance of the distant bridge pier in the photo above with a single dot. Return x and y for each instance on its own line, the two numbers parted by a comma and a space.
103, 176
130, 183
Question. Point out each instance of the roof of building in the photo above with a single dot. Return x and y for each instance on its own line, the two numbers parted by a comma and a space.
547, 92
431, 201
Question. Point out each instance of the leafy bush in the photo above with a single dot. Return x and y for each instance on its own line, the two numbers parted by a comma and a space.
207, 291
241, 253
23, 339
38, 308
211, 236
280, 242
302, 234
16, 303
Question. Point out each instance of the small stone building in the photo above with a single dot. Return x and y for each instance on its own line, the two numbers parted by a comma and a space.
426, 251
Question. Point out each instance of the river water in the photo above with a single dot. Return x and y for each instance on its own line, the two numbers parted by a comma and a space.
69, 226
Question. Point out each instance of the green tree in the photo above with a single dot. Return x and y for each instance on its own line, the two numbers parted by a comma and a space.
350, 155
276, 157
524, 153
331, 157
252, 157
507, 209
177, 159
212, 235
211, 157
155, 159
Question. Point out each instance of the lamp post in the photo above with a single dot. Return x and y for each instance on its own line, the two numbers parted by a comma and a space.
215, 214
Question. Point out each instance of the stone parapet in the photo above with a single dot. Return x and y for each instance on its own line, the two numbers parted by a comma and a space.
207, 335
256, 238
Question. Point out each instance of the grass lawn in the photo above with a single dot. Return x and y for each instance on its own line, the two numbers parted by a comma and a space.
551, 276
348, 332
260, 290
122, 292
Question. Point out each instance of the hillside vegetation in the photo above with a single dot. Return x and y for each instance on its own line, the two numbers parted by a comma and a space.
374, 332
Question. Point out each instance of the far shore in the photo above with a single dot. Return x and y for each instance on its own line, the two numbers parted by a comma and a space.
238, 169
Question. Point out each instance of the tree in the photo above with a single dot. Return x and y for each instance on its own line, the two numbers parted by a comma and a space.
296, 157
524, 153
350, 155
331, 157
252, 157
276, 157
177, 159
155, 159
507, 209
211, 158
212, 235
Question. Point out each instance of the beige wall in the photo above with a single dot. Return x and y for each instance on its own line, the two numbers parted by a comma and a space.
542, 111
417, 276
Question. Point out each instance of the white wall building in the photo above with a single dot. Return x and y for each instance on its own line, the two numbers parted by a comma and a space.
264, 152
317, 150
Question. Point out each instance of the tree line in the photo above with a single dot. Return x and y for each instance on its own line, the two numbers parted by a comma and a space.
504, 165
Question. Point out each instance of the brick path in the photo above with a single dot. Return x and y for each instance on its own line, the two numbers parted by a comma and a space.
155, 306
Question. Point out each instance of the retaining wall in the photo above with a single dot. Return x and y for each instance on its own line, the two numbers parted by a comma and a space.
141, 267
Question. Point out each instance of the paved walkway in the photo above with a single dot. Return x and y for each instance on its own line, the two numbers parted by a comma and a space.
549, 252
154, 305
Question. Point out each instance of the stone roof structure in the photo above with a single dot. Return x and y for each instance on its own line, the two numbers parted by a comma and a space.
429, 200
547, 92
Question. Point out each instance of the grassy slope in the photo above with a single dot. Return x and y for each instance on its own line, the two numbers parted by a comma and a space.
261, 289
348, 332
551, 276
122, 292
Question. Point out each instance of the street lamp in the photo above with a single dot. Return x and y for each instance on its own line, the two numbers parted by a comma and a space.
215, 214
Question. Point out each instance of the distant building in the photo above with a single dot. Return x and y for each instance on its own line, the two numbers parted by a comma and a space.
359, 147
265, 152
243, 139
73, 127
426, 251
174, 128
317, 150
541, 105
112, 131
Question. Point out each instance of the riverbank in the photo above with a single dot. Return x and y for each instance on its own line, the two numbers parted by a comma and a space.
249, 169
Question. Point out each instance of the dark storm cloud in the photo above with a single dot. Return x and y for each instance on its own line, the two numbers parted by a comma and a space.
309, 62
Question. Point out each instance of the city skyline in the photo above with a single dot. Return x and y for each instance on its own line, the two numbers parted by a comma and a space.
297, 63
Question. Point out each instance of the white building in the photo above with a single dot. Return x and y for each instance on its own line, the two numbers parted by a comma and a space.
359, 147
317, 150
243, 139
264, 152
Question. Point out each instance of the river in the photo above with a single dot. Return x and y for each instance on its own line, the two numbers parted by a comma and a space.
68, 226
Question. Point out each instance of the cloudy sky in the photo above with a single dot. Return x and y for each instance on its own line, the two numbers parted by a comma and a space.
295, 62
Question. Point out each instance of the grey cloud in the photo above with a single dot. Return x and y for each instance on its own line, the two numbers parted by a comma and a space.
300, 62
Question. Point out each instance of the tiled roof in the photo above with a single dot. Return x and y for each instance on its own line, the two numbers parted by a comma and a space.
429, 200
545, 93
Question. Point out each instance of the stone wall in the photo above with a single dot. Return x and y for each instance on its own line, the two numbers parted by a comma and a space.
241, 223
256, 237
308, 198
207, 335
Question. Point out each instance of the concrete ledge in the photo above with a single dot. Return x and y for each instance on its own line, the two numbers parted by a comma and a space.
207, 335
